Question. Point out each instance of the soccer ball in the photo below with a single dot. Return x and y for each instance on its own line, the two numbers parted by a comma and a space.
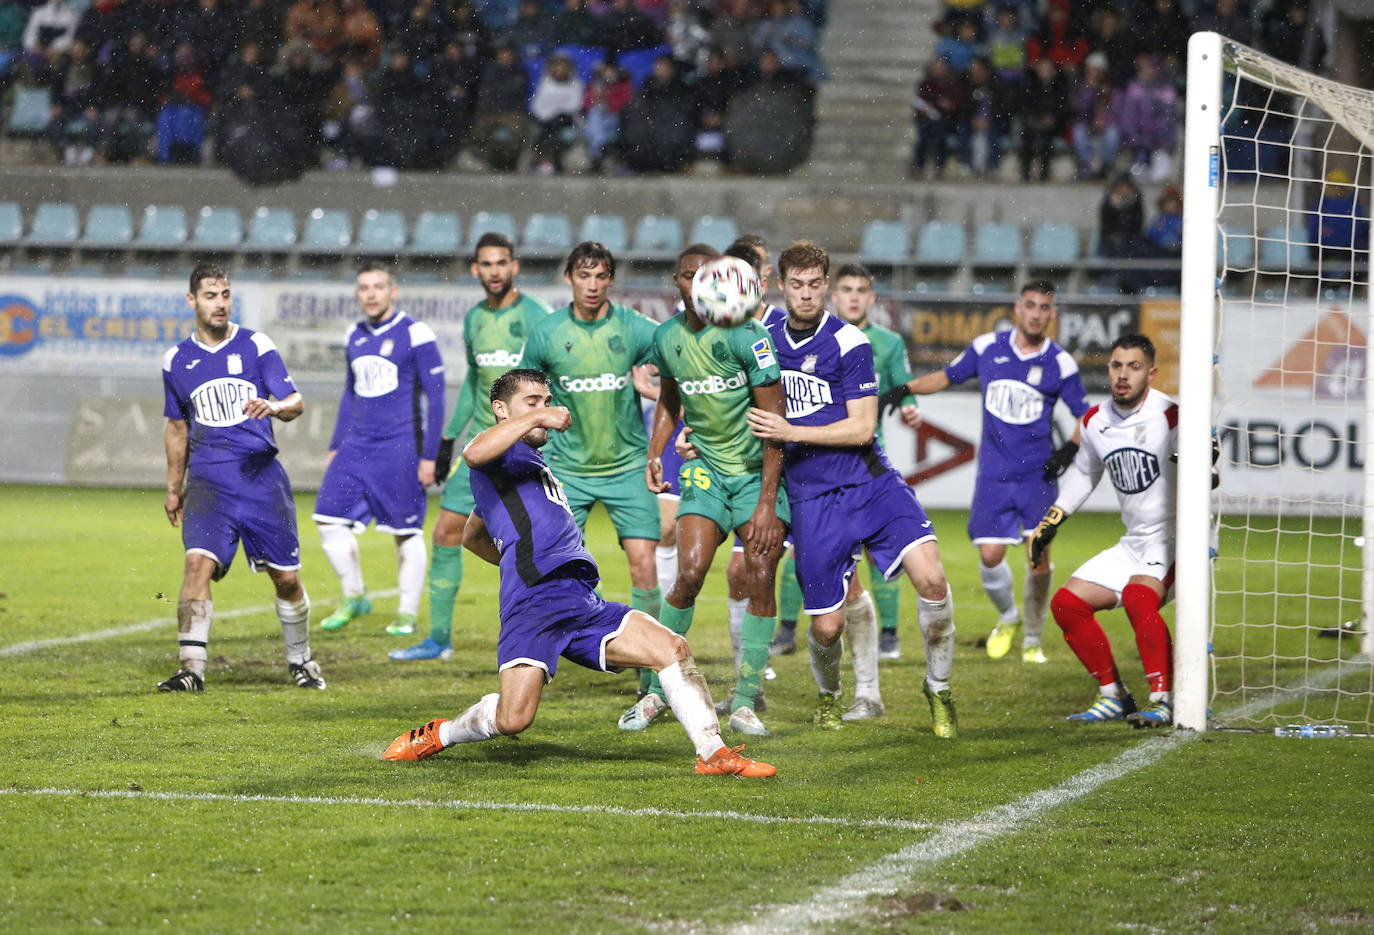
726, 291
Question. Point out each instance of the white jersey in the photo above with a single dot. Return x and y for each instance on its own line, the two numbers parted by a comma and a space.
1136, 449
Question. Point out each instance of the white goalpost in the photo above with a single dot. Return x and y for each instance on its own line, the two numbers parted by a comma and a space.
1274, 583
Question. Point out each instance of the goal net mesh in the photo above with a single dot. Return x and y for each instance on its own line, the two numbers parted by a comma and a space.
1290, 407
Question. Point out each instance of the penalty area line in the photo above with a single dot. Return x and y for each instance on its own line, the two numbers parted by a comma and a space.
463, 804
19, 649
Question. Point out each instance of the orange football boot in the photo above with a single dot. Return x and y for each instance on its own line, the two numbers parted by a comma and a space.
416, 744
727, 761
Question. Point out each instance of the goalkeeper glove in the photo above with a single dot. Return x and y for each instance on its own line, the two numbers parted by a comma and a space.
1216, 456
892, 399
1059, 461
444, 461
1044, 533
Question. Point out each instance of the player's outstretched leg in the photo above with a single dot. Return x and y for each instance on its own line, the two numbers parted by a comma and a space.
1085, 637
476, 723
341, 548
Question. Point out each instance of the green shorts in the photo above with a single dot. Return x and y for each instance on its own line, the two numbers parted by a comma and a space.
457, 496
728, 500
633, 509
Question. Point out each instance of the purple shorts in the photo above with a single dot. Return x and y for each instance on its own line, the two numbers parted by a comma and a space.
559, 617
246, 501
831, 530
672, 463
1005, 511
365, 484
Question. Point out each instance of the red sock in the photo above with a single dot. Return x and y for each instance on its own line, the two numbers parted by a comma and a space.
1151, 635
1084, 635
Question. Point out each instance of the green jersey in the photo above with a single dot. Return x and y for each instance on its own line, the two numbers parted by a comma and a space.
588, 364
889, 360
715, 370
494, 339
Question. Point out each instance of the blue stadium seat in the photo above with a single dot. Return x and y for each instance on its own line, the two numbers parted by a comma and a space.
498, 222
547, 233
382, 231
272, 229
11, 223
885, 241
655, 233
163, 226
30, 111
55, 224
585, 58
639, 63
719, 232
1282, 248
436, 232
109, 226
1235, 251
218, 229
327, 230
941, 243
1054, 244
997, 244
609, 229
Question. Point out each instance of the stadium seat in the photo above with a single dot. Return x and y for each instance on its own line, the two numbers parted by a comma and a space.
382, 231
11, 223
639, 63
498, 222
327, 231
585, 58
609, 229
30, 112
1054, 244
163, 226
108, 226
1235, 251
272, 229
547, 233
885, 241
436, 232
655, 233
941, 243
719, 232
1282, 248
218, 229
55, 224
997, 244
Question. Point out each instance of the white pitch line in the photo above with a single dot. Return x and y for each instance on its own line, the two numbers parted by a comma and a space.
898, 824
19, 649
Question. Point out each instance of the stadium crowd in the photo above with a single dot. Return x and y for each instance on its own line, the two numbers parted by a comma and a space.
1101, 81
281, 86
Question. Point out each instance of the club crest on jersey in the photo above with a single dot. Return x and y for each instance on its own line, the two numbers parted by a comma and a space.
808, 364
1140, 433
517, 329
1034, 374
1131, 469
387, 347
234, 363
763, 353
722, 353
615, 344
678, 348
567, 346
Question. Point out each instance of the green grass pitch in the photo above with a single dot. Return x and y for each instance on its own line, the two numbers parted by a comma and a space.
259, 806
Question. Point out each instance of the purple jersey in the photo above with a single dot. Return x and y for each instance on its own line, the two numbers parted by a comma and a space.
527, 515
391, 367
207, 386
820, 374
1019, 392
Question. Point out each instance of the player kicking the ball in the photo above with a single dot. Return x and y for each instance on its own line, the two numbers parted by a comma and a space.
1134, 439
549, 608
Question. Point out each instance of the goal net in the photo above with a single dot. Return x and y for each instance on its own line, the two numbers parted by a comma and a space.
1275, 329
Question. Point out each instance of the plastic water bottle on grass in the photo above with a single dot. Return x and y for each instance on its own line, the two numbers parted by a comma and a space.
1312, 730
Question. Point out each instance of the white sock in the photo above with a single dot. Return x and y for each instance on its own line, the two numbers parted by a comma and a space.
937, 627
736, 608
665, 562
341, 548
411, 567
295, 627
476, 723
997, 582
861, 626
825, 663
193, 634
1114, 690
686, 692
1166, 697
1037, 600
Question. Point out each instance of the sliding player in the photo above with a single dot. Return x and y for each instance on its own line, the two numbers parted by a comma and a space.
1134, 440
844, 493
224, 482
549, 607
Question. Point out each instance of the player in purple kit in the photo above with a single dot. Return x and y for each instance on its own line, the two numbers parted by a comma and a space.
224, 483
549, 606
381, 457
1023, 372
845, 494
